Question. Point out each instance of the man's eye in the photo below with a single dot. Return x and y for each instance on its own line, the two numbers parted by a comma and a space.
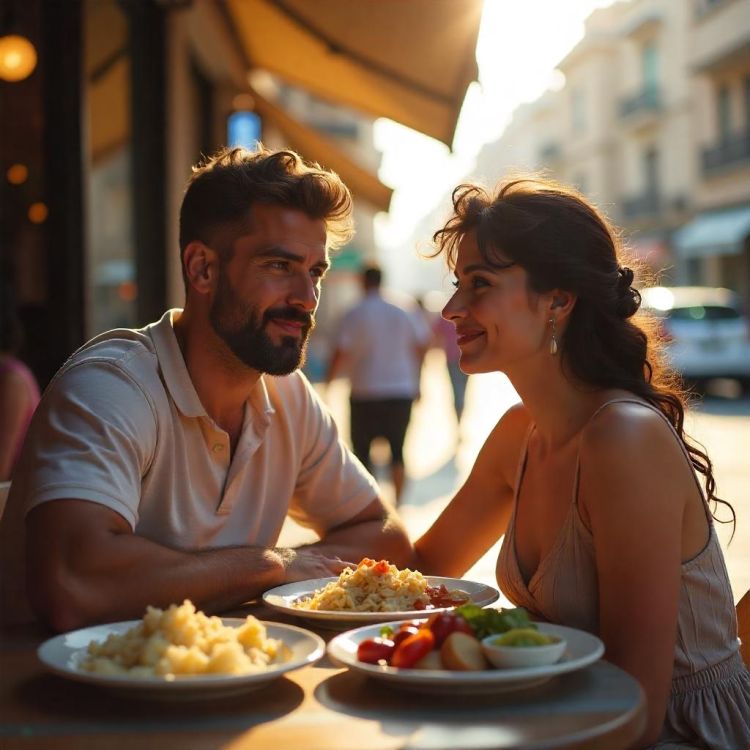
279, 265
318, 273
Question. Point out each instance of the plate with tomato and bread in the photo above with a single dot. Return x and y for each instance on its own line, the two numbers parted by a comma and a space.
459, 650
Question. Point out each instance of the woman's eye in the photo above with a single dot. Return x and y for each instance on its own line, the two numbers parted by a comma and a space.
475, 282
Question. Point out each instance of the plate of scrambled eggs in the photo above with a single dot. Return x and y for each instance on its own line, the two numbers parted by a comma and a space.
181, 653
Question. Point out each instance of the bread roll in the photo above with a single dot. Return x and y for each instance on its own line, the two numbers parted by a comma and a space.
463, 652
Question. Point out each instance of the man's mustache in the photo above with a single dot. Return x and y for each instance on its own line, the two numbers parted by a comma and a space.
290, 313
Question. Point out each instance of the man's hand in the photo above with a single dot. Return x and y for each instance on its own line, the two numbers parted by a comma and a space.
304, 563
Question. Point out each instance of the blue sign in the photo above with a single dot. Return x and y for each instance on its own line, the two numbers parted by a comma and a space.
243, 129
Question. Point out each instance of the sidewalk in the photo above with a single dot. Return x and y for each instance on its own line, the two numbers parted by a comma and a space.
438, 462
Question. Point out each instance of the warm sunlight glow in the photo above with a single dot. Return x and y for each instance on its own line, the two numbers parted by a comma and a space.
519, 46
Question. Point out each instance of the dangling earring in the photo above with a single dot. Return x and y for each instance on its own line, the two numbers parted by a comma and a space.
553, 340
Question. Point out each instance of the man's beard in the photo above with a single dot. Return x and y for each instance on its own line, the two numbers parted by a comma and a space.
243, 331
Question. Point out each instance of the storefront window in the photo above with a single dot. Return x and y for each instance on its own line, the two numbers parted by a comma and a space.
111, 278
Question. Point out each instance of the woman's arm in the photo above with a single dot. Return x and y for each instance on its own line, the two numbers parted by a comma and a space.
634, 486
478, 514
14, 410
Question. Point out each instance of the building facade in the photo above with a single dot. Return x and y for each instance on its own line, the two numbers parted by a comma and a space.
653, 123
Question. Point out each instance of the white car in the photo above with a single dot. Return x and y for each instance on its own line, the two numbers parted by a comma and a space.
707, 334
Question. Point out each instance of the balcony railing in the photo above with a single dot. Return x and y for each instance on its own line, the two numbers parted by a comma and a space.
731, 152
645, 205
648, 100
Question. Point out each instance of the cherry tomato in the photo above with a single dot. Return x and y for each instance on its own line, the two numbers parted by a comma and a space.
442, 624
373, 650
413, 648
404, 633
408, 624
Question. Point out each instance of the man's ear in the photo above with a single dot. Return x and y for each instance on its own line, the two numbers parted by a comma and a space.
561, 303
200, 263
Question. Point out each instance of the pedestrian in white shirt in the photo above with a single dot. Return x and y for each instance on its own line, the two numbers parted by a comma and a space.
381, 345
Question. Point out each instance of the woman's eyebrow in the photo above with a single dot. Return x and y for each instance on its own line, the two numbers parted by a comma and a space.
486, 267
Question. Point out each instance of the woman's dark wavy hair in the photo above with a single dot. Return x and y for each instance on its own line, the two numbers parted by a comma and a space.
223, 188
564, 242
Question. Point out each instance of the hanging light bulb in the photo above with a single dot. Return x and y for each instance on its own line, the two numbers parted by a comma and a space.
17, 57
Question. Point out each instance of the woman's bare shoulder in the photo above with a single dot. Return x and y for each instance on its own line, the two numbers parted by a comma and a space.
629, 449
510, 430
503, 447
624, 426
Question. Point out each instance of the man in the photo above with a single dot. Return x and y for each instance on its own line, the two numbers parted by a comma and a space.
382, 346
162, 462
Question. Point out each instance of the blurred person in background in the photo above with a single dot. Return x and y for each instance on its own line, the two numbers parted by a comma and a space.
381, 347
162, 462
591, 478
444, 333
19, 390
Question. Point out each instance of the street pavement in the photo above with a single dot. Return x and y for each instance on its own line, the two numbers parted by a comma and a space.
439, 454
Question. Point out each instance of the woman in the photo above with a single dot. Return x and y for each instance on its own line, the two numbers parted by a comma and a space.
591, 477
19, 392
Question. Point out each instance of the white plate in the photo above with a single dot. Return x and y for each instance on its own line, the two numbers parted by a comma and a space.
282, 598
63, 653
583, 649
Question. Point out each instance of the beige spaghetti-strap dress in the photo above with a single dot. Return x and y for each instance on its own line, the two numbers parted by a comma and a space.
709, 706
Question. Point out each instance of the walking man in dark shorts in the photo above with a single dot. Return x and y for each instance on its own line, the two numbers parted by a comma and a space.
382, 346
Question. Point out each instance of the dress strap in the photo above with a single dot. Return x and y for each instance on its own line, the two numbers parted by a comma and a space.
671, 427
522, 462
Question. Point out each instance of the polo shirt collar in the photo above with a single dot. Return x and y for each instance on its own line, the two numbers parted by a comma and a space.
260, 402
177, 378
172, 365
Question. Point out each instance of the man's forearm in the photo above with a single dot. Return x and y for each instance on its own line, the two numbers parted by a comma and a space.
135, 572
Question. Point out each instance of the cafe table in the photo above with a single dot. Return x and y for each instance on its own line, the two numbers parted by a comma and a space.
318, 707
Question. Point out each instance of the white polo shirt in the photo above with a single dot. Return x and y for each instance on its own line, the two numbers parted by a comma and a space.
381, 341
122, 425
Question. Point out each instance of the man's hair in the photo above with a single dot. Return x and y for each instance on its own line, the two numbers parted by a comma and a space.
224, 187
372, 276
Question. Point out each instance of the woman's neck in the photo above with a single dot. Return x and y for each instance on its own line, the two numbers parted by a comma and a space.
559, 406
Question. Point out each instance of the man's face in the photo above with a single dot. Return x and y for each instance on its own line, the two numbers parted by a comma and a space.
267, 292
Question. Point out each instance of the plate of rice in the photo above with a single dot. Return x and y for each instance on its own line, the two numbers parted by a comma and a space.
375, 591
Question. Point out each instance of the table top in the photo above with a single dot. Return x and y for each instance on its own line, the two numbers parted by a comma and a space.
320, 707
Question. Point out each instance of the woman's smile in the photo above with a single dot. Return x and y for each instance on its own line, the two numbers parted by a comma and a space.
467, 335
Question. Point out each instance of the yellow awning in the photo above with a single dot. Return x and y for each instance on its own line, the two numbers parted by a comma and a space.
408, 60
363, 183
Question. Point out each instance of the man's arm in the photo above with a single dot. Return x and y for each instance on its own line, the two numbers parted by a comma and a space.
85, 565
376, 531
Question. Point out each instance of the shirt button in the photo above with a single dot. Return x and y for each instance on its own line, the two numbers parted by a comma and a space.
217, 448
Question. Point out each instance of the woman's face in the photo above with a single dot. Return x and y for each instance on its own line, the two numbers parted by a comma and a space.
500, 322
